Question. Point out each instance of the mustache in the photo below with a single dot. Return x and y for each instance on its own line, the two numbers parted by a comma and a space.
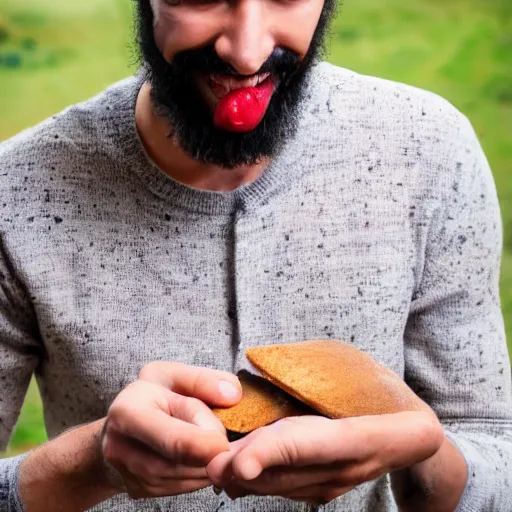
281, 63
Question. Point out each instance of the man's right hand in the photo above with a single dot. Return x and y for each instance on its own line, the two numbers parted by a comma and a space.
160, 435
157, 439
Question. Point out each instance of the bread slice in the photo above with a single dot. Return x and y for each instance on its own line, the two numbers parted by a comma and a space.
334, 378
262, 403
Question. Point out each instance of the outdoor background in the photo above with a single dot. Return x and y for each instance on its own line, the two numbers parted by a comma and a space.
56, 52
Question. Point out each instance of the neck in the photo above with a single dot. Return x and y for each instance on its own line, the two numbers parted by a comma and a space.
173, 161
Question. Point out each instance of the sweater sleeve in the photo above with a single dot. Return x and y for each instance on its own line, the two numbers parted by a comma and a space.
20, 352
456, 355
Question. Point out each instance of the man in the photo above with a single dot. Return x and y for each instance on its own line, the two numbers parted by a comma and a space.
238, 191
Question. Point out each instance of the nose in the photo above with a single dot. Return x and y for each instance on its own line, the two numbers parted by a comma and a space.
246, 41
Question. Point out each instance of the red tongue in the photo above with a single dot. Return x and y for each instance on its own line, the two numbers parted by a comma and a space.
242, 110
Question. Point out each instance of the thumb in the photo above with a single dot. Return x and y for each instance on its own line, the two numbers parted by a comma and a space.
213, 387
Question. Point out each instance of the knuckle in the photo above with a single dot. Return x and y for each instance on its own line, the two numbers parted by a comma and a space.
154, 370
180, 448
149, 369
287, 451
434, 430
424, 430
123, 398
429, 436
128, 390
200, 377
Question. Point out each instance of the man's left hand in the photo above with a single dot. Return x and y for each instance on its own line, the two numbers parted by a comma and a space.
316, 459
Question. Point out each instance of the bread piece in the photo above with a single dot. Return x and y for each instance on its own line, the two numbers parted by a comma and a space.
334, 378
262, 403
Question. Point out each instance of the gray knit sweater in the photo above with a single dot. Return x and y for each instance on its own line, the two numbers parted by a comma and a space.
378, 225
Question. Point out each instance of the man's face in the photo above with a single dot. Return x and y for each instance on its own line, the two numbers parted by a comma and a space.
196, 51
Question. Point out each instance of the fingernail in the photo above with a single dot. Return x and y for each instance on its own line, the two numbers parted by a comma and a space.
227, 390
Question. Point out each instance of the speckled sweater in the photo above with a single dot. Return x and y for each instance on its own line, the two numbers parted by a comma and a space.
378, 224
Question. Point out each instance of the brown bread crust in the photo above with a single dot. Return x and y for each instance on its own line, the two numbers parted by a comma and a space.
334, 378
262, 403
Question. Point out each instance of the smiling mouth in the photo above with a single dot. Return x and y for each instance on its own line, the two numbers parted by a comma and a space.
222, 85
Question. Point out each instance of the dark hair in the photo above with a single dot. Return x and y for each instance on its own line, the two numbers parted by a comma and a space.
176, 98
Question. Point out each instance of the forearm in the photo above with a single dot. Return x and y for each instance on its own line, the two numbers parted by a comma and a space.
434, 485
66, 474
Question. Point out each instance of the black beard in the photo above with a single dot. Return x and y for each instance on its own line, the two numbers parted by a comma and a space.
176, 98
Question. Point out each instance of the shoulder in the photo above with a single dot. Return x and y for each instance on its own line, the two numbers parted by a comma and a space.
90, 126
409, 127
60, 151
86, 121
389, 102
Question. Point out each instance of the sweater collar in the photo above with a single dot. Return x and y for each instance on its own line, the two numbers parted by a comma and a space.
276, 178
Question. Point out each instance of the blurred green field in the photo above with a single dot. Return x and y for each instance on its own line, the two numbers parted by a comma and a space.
57, 52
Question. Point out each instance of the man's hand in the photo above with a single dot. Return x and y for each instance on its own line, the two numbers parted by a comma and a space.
159, 434
316, 459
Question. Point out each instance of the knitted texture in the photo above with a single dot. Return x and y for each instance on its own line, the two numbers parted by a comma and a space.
378, 224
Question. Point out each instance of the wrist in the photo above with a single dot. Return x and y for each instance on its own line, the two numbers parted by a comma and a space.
69, 469
433, 485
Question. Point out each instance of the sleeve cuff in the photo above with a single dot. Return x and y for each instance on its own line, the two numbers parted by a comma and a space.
474, 495
13, 471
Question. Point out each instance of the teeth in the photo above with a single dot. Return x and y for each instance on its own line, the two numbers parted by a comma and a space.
247, 82
263, 77
230, 83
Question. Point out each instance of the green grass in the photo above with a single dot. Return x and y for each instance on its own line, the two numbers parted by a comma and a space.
30, 430
460, 49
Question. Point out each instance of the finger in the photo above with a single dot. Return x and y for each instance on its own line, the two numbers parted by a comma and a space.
396, 440
214, 387
319, 494
281, 481
142, 396
136, 490
131, 456
279, 444
176, 439
192, 410
155, 426
220, 469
